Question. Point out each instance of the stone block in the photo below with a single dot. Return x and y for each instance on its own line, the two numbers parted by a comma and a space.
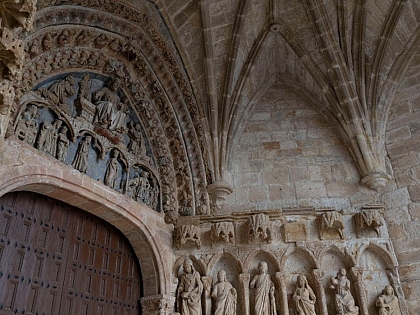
295, 232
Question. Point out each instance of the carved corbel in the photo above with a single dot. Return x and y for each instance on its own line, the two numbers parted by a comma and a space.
188, 233
331, 221
259, 226
223, 231
369, 218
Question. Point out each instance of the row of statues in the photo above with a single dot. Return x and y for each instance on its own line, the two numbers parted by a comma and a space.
190, 290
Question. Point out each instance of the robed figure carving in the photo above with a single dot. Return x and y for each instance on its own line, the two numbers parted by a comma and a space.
265, 303
344, 301
304, 297
189, 290
388, 303
224, 295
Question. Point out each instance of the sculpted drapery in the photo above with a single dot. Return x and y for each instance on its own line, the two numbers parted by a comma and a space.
189, 290
264, 291
224, 295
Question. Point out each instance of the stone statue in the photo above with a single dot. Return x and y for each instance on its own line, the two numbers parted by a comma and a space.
388, 303
62, 144
304, 297
189, 290
111, 173
143, 188
136, 144
111, 113
344, 301
224, 295
81, 162
265, 303
47, 137
59, 92
27, 126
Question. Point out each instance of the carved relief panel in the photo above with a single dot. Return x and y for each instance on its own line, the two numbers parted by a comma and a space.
86, 121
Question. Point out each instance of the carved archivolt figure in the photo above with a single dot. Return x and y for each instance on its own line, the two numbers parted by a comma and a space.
224, 295
304, 297
189, 290
265, 303
81, 162
111, 173
62, 144
344, 301
388, 303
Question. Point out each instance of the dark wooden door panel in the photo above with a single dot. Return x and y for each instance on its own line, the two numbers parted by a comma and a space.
56, 259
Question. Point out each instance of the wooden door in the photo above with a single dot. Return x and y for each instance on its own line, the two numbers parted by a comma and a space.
57, 259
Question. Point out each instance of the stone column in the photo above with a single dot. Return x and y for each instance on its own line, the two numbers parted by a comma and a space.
320, 291
357, 274
158, 304
281, 279
207, 280
244, 279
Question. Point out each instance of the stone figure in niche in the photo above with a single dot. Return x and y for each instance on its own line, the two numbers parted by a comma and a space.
81, 160
59, 92
136, 145
224, 295
344, 301
27, 126
143, 188
189, 290
265, 303
304, 297
62, 144
47, 42
47, 137
119, 120
388, 303
111, 173
154, 193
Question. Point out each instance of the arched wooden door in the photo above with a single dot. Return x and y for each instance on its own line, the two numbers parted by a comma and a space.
57, 259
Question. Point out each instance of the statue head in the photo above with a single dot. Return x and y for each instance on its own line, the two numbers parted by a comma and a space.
388, 290
188, 265
301, 280
221, 276
262, 267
